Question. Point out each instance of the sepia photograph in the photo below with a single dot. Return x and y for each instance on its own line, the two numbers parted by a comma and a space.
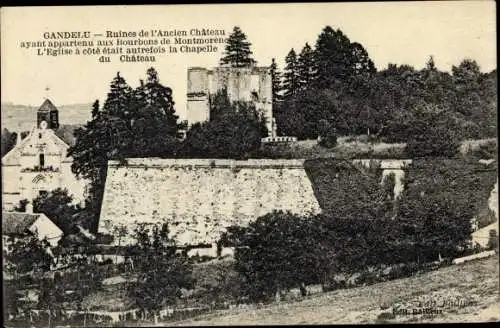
249, 164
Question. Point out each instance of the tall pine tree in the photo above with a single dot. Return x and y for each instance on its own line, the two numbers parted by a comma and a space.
154, 126
360, 61
237, 52
305, 67
276, 82
132, 123
291, 75
332, 58
119, 97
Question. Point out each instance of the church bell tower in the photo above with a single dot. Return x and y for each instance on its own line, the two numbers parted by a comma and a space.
48, 113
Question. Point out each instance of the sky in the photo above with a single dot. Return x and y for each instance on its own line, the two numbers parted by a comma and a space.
400, 33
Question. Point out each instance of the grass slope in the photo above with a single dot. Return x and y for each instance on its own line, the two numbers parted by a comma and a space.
477, 280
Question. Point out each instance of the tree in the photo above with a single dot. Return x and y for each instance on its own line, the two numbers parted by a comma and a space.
432, 132
118, 99
439, 198
492, 240
291, 75
21, 207
360, 61
311, 106
488, 121
276, 252
104, 137
26, 254
95, 109
327, 134
131, 123
393, 96
153, 122
234, 132
220, 105
332, 58
162, 272
25, 258
276, 83
466, 78
337, 60
237, 52
474, 99
305, 67
56, 205
355, 208
8, 141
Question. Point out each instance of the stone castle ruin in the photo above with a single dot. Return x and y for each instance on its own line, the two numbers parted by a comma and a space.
248, 84
199, 198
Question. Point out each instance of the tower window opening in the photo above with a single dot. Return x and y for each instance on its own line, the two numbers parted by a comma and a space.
39, 136
42, 160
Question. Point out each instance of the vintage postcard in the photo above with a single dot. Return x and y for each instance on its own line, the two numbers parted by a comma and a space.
249, 164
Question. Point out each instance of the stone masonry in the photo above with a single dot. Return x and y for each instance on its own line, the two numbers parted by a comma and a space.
199, 198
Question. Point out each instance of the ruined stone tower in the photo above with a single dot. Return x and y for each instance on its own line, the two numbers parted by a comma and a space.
249, 84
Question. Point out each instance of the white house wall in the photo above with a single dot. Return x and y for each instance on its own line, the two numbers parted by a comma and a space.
45, 228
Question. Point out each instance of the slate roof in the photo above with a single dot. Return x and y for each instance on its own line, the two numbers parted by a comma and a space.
47, 106
17, 223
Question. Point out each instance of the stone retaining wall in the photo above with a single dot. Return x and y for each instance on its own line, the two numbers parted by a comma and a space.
199, 198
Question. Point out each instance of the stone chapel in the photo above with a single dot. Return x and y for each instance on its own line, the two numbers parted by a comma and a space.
38, 163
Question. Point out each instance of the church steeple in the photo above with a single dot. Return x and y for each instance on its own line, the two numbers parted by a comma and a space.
48, 113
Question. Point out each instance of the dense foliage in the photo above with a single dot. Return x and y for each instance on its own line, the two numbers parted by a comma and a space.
234, 130
162, 272
279, 251
137, 122
336, 81
440, 198
363, 225
25, 255
56, 205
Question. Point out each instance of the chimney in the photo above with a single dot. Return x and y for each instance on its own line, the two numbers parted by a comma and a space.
29, 208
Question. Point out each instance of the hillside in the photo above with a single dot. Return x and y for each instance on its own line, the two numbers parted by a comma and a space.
24, 117
332, 182
474, 284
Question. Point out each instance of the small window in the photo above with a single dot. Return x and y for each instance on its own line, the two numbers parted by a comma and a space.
42, 160
39, 136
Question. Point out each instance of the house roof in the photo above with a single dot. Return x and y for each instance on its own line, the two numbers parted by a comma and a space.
47, 106
18, 223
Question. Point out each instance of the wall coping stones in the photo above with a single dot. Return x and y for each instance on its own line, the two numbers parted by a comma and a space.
207, 163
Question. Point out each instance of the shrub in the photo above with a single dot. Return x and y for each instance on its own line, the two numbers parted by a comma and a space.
278, 251
163, 273
493, 240
362, 227
327, 134
432, 133
438, 201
